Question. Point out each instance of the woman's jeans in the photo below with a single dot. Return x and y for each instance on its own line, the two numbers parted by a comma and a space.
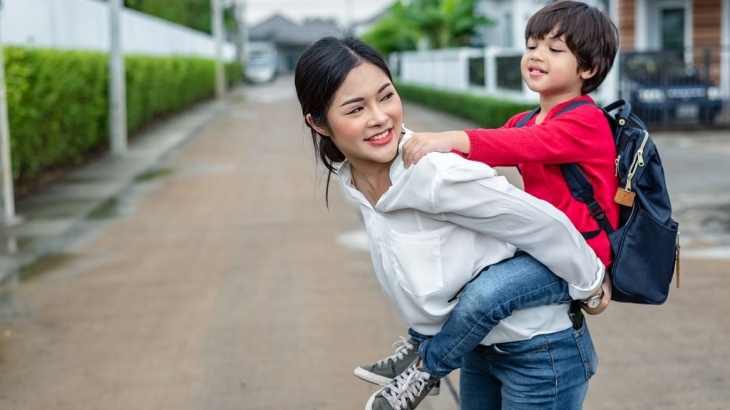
546, 372
517, 283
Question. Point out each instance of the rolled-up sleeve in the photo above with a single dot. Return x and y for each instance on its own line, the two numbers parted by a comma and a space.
471, 195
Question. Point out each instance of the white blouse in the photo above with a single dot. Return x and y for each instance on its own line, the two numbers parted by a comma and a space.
446, 218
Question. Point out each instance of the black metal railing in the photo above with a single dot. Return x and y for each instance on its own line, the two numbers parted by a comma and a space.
685, 88
477, 71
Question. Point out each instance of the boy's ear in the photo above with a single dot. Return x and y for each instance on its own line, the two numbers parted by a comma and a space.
314, 126
586, 74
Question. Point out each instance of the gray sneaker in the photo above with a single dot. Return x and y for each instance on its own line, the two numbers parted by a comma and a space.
405, 392
382, 372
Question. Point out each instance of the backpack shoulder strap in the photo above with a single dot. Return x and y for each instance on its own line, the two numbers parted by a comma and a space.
530, 115
574, 104
524, 120
580, 187
582, 190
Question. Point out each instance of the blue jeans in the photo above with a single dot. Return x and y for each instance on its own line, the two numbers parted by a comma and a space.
546, 372
517, 283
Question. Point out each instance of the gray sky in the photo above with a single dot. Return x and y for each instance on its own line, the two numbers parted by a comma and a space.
258, 10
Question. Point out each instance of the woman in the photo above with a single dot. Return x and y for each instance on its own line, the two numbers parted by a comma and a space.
434, 227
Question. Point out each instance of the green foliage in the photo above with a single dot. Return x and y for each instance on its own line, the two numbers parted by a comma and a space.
195, 14
157, 85
445, 23
234, 73
442, 23
485, 111
58, 106
392, 33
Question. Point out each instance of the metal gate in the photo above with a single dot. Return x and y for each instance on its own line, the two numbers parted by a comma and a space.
687, 88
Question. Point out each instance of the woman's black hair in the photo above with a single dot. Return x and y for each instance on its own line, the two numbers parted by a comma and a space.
319, 74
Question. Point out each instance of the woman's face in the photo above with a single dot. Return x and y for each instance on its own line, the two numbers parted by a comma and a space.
365, 117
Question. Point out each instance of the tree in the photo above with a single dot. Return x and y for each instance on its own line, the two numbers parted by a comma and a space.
441, 23
392, 33
445, 23
195, 14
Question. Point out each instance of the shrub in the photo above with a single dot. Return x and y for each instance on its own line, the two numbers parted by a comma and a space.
234, 73
485, 111
58, 104
57, 107
158, 85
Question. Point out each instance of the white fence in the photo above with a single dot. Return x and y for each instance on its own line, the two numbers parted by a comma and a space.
492, 71
84, 24
447, 68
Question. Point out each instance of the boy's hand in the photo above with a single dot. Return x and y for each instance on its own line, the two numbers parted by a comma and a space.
421, 143
606, 287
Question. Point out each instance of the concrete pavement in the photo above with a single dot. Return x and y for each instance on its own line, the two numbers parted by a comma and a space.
203, 271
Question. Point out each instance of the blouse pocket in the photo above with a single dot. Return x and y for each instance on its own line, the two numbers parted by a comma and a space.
417, 262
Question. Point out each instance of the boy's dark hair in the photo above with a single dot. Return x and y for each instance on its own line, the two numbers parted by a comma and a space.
589, 33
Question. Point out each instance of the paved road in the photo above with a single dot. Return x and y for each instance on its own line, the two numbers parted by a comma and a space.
220, 280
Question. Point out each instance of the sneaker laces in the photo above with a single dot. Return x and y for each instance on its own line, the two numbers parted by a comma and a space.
402, 347
406, 387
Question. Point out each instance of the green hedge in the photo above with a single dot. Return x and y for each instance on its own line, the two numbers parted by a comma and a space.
157, 85
485, 111
234, 73
58, 106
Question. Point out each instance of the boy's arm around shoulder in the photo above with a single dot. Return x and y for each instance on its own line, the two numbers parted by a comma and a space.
472, 195
573, 136
422, 143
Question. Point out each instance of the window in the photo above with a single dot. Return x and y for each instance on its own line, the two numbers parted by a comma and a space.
508, 30
672, 28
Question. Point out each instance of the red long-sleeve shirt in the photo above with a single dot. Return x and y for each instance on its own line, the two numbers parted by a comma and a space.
581, 135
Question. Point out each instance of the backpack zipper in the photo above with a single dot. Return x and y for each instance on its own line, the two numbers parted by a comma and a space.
637, 162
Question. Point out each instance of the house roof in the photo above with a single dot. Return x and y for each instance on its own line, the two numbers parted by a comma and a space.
280, 30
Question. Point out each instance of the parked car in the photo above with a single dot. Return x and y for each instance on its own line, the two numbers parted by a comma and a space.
663, 88
260, 69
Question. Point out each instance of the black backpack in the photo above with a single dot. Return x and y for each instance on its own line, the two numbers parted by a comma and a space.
645, 243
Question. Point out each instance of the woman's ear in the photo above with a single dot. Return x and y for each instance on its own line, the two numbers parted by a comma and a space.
320, 130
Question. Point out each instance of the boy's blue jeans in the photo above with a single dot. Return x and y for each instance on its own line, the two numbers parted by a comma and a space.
517, 283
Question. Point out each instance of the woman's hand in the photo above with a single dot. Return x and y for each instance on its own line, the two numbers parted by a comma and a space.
421, 143
606, 287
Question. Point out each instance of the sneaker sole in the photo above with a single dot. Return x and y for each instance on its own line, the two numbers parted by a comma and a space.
373, 378
369, 404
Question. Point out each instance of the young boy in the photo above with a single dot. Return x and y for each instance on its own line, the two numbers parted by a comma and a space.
570, 48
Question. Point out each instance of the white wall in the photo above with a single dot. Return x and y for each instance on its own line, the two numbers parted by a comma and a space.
445, 68
449, 69
84, 24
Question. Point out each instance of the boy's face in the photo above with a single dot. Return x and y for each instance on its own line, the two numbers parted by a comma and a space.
550, 68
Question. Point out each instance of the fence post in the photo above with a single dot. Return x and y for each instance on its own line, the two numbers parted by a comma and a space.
220, 79
8, 217
117, 84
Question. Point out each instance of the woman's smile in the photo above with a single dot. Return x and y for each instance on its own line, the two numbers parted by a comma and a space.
382, 138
